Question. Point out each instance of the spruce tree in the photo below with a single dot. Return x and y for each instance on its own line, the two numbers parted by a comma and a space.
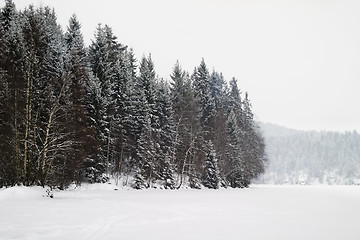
204, 98
79, 123
233, 166
138, 123
253, 146
148, 136
211, 177
106, 63
186, 123
219, 92
165, 135
11, 83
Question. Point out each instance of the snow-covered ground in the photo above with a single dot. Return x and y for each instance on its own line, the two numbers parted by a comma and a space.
260, 212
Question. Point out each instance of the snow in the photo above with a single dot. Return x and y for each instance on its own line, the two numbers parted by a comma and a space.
260, 212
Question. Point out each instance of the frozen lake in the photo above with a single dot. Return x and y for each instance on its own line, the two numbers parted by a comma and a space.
260, 212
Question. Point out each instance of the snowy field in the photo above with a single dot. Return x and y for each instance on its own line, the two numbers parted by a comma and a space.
260, 212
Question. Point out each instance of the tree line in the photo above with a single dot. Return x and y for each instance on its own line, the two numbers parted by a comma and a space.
309, 157
71, 113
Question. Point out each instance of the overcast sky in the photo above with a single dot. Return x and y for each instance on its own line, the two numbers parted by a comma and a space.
298, 59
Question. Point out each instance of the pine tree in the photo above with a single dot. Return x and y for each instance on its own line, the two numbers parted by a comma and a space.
146, 153
147, 78
211, 178
219, 93
206, 102
147, 135
80, 76
233, 166
139, 181
95, 164
186, 123
139, 131
105, 61
130, 116
11, 83
217, 88
206, 109
165, 135
121, 98
177, 88
253, 147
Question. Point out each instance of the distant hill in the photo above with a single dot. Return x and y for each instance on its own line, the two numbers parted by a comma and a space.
310, 157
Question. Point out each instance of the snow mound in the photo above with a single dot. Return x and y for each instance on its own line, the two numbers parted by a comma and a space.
22, 192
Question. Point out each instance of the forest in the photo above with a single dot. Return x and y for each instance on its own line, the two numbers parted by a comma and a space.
311, 157
71, 113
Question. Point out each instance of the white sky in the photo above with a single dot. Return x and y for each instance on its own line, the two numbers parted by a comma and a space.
298, 59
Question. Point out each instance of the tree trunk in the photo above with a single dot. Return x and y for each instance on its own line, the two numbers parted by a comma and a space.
28, 110
17, 140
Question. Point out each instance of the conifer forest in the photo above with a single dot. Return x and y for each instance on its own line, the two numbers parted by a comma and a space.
71, 113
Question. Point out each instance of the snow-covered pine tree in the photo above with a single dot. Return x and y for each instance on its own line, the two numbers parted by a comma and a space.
121, 98
233, 165
95, 164
186, 122
177, 87
253, 146
139, 180
211, 177
146, 153
79, 122
147, 76
104, 57
139, 131
233, 100
217, 88
166, 134
206, 112
11, 104
131, 119
219, 92
148, 136
7, 15
204, 97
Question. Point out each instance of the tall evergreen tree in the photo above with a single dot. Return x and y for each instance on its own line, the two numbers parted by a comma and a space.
211, 178
147, 78
165, 135
95, 164
206, 111
186, 122
233, 166
205, 99
80, 76
219, 92
107, 63
11, 81
148, 126
253, 147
